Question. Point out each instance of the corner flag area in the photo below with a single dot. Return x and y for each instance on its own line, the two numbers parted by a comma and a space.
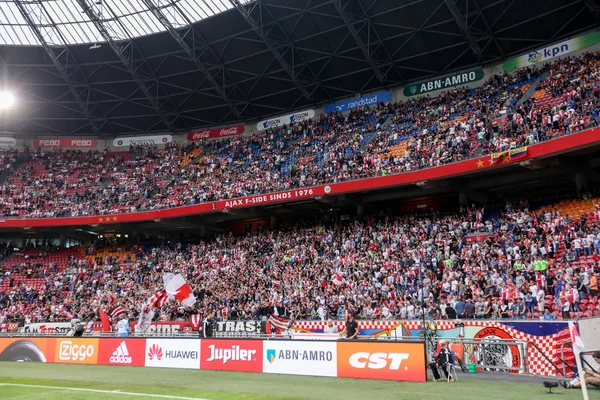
66, 382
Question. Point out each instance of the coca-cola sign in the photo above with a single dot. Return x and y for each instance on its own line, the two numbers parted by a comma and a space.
216, 133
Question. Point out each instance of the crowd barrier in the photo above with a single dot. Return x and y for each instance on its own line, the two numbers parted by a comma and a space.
400, 361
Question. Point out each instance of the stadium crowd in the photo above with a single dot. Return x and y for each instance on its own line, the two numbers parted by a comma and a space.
456, 125
521, 264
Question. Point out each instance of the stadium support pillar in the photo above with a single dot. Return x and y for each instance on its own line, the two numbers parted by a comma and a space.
63, 240
360, 210
274, 221
580, 181
463, 199
203, 230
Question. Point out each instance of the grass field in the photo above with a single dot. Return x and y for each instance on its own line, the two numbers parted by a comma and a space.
69, 382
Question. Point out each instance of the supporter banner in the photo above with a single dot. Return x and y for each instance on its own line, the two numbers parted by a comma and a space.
27, 350
444, 83
553, 51
300, 358
6, 142
9, 327
59, 328
122, 352
65, 143
584, 139
478, 237
391, 361
369, 100
239, 328
232, 355
143, 141
76, 351
289, 119
216, 133
173, 353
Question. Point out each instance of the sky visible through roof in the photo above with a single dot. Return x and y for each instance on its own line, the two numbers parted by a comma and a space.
64, 22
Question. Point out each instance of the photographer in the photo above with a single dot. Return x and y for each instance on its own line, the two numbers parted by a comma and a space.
442, 359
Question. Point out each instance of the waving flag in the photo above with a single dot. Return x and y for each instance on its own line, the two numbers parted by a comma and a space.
105, 321
576, 339
279, 323
337, 279
118, 310
145, 318
177, 287
158, 299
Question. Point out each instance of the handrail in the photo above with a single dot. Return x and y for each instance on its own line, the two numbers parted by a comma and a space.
562, 358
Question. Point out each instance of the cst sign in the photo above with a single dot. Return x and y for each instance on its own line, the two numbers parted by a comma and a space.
64, 143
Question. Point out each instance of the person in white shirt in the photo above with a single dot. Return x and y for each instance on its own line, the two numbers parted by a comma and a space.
123, 327
330, 327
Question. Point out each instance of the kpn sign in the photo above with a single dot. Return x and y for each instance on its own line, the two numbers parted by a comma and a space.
462, 78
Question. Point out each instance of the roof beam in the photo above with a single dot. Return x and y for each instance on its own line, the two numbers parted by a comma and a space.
256, 25
594, 7
69, 69
139, 69
181, 40
461, 21
341, 9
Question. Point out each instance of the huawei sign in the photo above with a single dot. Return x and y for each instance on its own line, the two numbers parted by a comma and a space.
155, 352
216, 133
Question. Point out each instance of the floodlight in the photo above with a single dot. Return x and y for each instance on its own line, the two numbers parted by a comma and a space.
7, 100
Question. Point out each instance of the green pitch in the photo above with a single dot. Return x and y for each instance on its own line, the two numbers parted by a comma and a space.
66, 382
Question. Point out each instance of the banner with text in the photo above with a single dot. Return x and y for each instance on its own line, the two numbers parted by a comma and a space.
444, 83
143, 141
553, 51
216, 133
7, 142
239, 328
369, 100
289, 119
63, 143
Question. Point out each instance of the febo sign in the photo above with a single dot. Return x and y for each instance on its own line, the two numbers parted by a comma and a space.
373, 360
370, 100
300, 358
122, 352
232, 355
216, 133
65, 143
173, 353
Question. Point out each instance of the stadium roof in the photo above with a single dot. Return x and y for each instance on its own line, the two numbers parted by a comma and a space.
240, 61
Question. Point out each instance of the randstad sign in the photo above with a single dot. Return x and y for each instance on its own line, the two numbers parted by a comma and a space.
370, 100
550, 52
443, 83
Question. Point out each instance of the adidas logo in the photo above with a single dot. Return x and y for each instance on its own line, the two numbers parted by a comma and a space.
121, 355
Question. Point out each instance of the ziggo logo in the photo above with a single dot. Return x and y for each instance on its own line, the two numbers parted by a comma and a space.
368, 360
69, 351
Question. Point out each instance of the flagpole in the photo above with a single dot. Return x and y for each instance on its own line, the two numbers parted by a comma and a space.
581, 376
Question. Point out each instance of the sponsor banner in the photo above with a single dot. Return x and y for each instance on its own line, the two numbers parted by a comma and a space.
216, 133
27, 350
364, 101
289, 119
239, 328
173, 353
10, 327
6, 142
143, 141
55, 328
76, 351
585, 139
122, 351
65, 143
553, 51
300, 358
446, 82
156, 328
232, 355
391, 361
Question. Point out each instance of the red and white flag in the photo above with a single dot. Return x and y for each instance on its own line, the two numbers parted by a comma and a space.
578, 346
158, 299
177, 287
118, 310
195, 321
337, 279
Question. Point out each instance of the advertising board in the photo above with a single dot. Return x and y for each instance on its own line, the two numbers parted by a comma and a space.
300, 358
7, 142
76, 351
239, 328
173, 353
369, 100
381, 360
27, 349
232, 355
119, 351
289, 119
58, 328
65, 143
216, 133
142, 141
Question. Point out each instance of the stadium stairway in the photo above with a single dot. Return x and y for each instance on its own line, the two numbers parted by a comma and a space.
15, 166
531, 89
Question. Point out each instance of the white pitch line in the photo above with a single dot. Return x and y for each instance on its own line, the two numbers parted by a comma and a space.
160, 396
